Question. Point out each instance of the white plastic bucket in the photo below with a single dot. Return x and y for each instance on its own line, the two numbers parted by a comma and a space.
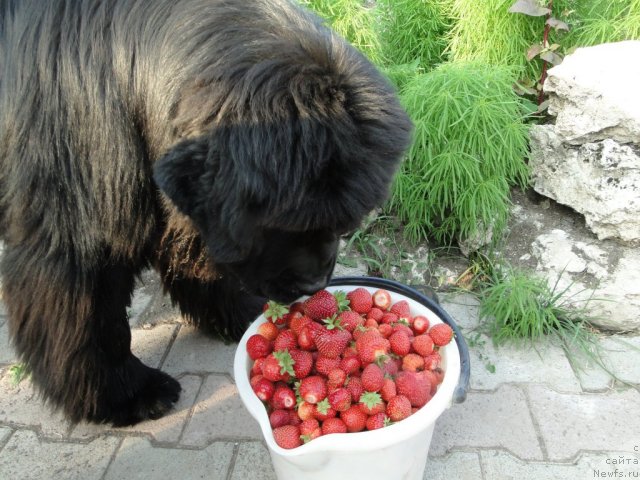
398, 451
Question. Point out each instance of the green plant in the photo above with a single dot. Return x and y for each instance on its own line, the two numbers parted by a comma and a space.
600, 21
469, 146
354, 21
18, 373
413, 30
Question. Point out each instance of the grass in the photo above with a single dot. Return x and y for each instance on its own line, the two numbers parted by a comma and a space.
601, 21
18, 373
469, 146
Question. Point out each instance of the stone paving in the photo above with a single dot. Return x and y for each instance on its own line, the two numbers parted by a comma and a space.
530, 413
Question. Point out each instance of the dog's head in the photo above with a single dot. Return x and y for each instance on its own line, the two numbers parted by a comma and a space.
299, 147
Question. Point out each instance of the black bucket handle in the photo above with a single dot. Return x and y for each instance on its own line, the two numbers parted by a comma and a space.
460, 392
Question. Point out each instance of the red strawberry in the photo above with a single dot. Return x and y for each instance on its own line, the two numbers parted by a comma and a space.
391, 366
283, 398
415, 387
297, 321
369, 323
441, 334
305, 338
389, 317
277, 367
322, 410
286, 340
324, 365
340, 399
257, 366
350, 320
433, 380
336, 378
303, 362
423, 345
287, 436
420, 324
371, 345
275, 312
279, 418
398, 408
432, 361
306, 410
371, 403
375, 313
320, 305
310, 429
297, 307
354, 418
354, 385
382, 299
388, 389
412, 362
331, 341
379, 420
360, 300
385, 329
350, 365
264, 389
401, 309
400, 343
402, 327
258, 346
294, 419
313, 389
268, 330
372, 378
439, 374
333, 425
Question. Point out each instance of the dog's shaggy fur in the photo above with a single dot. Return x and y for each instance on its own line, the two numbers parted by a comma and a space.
228, 143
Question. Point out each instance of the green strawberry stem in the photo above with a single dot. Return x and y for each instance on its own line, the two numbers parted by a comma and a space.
286, 362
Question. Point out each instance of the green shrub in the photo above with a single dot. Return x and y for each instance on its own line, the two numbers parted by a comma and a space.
602, 21
469, 146
413, 30
354, 21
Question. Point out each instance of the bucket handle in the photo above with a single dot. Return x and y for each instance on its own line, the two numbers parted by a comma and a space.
460, 392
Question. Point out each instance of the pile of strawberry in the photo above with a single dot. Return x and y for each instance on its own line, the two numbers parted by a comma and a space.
341, 363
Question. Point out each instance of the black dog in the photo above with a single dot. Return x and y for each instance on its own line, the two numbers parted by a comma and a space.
228, 143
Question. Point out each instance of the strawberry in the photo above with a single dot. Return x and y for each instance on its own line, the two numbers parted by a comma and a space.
257, 366
371, 345
333, 425
391, 366
398, 408
379, 420
313, 389
286, 340
401, 309
400, 343
310, 429
305, 338
331, 340
278, 367
354, 385
336, 378
360, 300
283, 398
324, 365
371, 403
433, 380
432, 361
354, 418
439, 374
388, 389
303, 362
297, 321
306, 410
322, 410
370, 323
340, 399
275, 312
279, 418
294, 419
258, 346
422, 345
297, 307
372, 378
415, 387
287, 436
268, 330
420, 324
412, 362
375, 314
385, 329
350, 365
441, 334
382, 299
350, 320
320, 305
389, 317
264, 389
399, 326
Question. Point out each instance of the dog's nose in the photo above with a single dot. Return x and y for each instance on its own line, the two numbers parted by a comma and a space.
311, 287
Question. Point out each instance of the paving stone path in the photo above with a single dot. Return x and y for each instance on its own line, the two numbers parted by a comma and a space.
530, 413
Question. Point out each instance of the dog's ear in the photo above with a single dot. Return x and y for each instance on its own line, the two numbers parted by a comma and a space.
191, 176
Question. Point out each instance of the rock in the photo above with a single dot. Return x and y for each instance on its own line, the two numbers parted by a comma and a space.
603, 276
594, 93
600, 180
